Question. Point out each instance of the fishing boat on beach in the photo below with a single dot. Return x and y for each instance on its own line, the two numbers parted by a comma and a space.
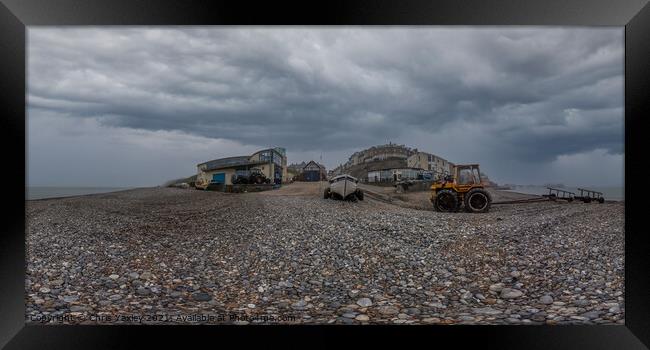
343, 187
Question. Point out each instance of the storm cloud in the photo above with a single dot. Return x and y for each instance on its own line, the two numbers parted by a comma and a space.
522, 101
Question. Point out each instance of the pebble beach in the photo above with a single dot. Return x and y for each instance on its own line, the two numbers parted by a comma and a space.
179, 256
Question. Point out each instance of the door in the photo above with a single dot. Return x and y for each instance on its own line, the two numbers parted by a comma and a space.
219, 178
312, 176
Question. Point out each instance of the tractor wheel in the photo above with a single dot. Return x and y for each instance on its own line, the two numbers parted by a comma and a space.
327, 193
446, 201
601, 200
359, 195
477, 200
587, 200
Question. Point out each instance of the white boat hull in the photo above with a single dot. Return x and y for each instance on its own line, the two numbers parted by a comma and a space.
343, 188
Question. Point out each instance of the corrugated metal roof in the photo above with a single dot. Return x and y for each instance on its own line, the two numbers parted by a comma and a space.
312, 162
238, 161
227, 163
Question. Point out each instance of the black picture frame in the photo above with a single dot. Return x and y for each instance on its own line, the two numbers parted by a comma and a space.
15, 15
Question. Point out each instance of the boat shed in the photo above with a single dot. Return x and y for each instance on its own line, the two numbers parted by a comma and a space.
270, 162
313, 171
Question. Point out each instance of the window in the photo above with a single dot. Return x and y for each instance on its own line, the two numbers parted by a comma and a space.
477, 176
265, 156
465, 177
277, 158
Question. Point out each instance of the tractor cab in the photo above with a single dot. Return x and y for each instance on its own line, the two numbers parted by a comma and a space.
462, 187
468, 175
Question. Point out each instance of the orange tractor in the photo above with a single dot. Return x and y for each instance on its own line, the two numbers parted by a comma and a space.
463, 187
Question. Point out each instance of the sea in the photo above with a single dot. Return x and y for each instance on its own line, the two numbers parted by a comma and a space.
41, 192
610, 193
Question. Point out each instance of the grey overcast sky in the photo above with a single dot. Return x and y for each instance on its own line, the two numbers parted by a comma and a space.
136, 106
